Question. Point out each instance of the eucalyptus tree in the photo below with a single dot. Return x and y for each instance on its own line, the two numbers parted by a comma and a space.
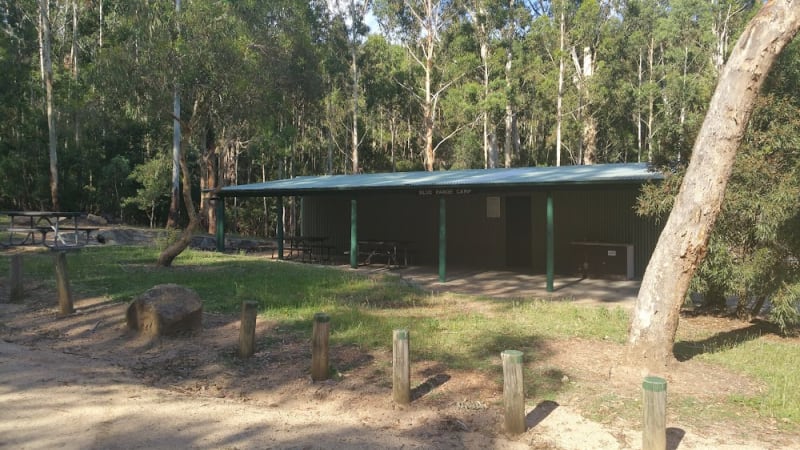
482, 15
418, 25
684, 241
495, 25
354, 13
20, 109
639, 22
46, 55
516, 18
386, 71
754, 246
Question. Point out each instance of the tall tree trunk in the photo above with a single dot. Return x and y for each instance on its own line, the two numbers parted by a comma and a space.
174, 205
684, 240
560, 99
585, 71
428, 111
101, 24
209, 180
354, 74
489, 162
651, 100
47, 79
638, 115
509, 145
74, 62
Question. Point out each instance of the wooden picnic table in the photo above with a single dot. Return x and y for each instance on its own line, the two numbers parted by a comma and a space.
395, 251
308, 248
29, 224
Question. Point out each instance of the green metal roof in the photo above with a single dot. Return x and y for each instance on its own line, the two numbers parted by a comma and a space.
495, 179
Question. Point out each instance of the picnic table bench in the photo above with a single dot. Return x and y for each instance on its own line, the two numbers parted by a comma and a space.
394, 252
30, 224
306, 248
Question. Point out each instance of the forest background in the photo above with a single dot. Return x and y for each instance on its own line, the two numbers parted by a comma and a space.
100, 98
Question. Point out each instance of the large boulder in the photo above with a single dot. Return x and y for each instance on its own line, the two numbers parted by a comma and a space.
166, 310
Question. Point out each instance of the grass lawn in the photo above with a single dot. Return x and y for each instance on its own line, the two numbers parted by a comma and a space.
464, 333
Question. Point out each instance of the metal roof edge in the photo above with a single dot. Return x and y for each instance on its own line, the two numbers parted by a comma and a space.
484, 179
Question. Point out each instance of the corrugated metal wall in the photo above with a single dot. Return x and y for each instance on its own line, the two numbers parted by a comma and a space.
601, 215
475, 240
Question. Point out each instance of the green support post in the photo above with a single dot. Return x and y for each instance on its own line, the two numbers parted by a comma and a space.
550, 243
442, 239
220, 206
354, 233
279, 208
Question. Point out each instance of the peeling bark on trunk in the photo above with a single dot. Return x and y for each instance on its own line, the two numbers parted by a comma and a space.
683, 242
428, 109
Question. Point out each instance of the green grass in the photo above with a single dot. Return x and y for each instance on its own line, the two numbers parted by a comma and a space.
775, 364
461, 332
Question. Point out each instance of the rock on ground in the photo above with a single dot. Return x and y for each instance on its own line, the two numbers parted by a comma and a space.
166, 310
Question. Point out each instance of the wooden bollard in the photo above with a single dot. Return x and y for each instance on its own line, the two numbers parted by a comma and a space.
401, 371
654, 430
319, 347
513, 391
62, 285
16, 292
247, 329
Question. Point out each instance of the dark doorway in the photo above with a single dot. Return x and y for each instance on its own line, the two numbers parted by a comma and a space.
518, 232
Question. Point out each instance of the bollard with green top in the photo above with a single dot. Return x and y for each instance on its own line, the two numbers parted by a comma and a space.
654, 430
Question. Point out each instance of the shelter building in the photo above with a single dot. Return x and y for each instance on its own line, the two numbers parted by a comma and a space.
567, 220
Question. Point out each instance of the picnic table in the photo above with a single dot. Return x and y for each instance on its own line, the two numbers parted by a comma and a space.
32, 224
394, 252
308, 248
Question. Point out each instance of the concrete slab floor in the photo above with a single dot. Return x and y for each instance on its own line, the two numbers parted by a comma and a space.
510, 284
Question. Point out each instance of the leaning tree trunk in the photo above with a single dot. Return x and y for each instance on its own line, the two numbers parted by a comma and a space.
683, 242
174, 249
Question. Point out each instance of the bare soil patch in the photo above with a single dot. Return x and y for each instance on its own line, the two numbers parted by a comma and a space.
270, 401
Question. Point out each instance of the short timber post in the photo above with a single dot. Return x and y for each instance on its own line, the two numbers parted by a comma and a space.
319, 347
354, 233
219, 204
513, 392
550, 243
62, 285
401, 371
15, 293
247, 329
442, 239
654, 433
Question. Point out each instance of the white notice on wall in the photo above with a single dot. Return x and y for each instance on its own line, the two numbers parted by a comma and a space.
612, 253
493, 207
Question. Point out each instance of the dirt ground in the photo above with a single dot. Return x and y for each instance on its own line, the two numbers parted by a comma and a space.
87, 382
